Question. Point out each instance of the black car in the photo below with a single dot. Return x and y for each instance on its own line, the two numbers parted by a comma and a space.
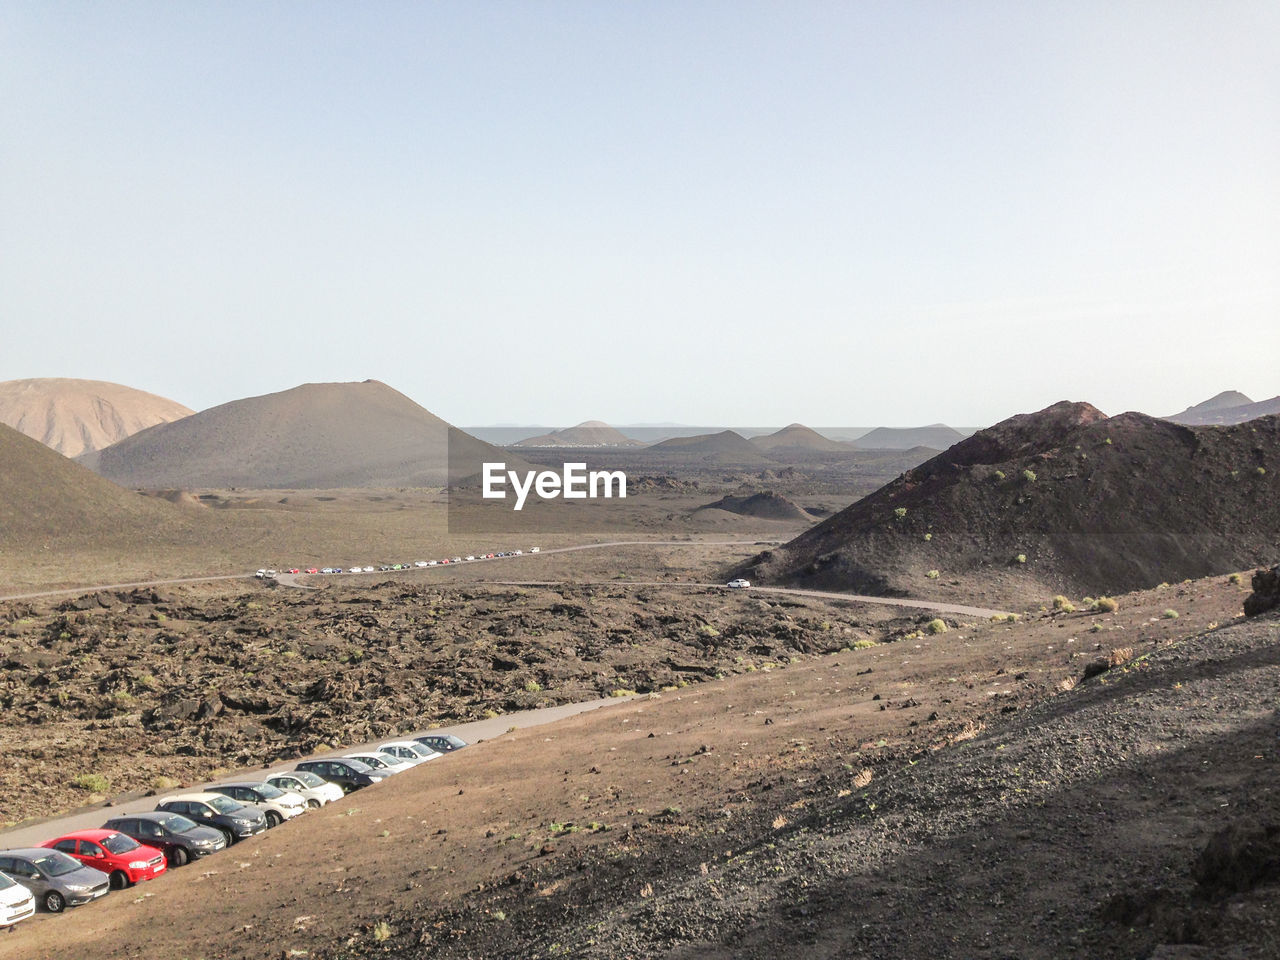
235, 820
181, 839
346, 773
441, 742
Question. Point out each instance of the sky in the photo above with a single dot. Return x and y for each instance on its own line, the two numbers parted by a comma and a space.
697, 212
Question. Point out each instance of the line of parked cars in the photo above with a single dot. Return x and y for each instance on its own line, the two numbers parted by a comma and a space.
266, 574
84, 865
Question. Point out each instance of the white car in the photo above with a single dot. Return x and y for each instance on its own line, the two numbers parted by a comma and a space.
409, 751
16, 901
383, 763
456, 560
433, 563
315, 790
738, 584
535, 549
276, 805
519, 553
421, 563
261, 574
368, 569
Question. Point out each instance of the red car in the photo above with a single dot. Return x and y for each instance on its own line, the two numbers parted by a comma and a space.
124, 859
294, 570
313, 569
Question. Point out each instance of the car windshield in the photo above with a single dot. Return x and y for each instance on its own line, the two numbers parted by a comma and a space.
224, 804
56, 863
119, 843
422, 750
6, 883
269, 792
176, 823
359, 766
309, 779
376, 762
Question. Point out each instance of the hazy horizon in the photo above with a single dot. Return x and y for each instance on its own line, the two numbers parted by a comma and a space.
884, 213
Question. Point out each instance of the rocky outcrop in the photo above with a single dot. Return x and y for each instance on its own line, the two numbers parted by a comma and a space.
1266, 592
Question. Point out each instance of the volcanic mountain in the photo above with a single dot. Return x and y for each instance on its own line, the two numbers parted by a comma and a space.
1063, 498
313, 436
766, 505
77, 416
724, 447
48, 498
591, 433
937, 435
797, 438
1227, 407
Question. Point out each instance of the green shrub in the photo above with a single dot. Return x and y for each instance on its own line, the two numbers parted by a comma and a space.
162, 783
900, 512
624, 692
936, 626
928, 537
92, 782
1234, 578
1062, 603
999, 475
532, 686
1029, 476
1170, 614
862, 644
1020, 558
1106, 605
933, 574
1107, 441
1261, 471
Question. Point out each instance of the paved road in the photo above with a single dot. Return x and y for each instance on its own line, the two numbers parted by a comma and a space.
33, 833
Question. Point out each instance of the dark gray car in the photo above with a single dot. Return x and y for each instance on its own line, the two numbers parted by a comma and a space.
54, 879
182, 840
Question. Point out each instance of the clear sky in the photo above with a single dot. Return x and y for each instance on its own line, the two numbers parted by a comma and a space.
704, 212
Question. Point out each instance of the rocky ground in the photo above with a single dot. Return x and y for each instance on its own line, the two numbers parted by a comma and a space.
1076, 783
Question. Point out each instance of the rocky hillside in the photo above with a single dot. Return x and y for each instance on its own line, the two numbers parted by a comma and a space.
1065, 499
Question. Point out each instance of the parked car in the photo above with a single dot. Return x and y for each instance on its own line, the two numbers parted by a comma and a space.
421, 563
456, 560
315, 790
123, 859
441, 742
261, 573
275, 804
410, 751
348, 774
312, 570
235, 820
381, 762
180, 839
535, 549
54, 879
368, 569
293, 570
738, 584
16, 901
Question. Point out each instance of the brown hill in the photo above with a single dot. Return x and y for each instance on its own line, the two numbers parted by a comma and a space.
797, 438
1226, 408
937, 435
725, 447
591, 433
47, 499
76, 416
1086, 502
767, 505
314, 436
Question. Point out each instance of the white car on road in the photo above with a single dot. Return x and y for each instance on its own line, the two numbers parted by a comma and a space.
315, 790
409, 751
738, 584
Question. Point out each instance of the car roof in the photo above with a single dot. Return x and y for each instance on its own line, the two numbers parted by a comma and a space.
241, 783
27, 852
204, 796
94, 835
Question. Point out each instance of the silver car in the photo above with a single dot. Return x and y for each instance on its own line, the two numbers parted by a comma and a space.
54, 879
315, 790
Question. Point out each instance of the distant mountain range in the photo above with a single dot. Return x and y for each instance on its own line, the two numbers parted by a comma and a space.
591, 433
1228, 407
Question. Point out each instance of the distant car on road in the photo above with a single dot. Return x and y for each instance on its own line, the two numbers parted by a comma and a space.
381, 762
261, 573
182, 840
410, 751
441, 742
315, 790
535, 549
312, 570
121, 858
738, 584
56, 880
16, 901
275, 804
235, 820
348, 774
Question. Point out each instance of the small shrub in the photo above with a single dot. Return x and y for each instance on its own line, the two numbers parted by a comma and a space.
900, 512
1088, 602
532, 686
162, 783
999, 475
92, 782
1261, 471
1106, 605
862, 644
1234, 578
622, 692
1170, 614
382, 931
928, 537
1020, 558
933, 574
707, 630
936, 626
1060, 602
1029, 476
1119, 655
1107, 441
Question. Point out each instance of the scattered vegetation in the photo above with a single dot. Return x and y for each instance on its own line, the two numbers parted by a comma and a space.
928, 537
382, 931
1029, 476
1106, 605
1234, 578
1020, 558
1170, 614
933, 574
900, 512
92, 782
1063, 604
532, 686
936, 626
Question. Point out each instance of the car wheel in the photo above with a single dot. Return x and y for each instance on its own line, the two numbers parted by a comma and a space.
178, 857
230, 837
118, 880
313, 804
273, 819
54, 902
